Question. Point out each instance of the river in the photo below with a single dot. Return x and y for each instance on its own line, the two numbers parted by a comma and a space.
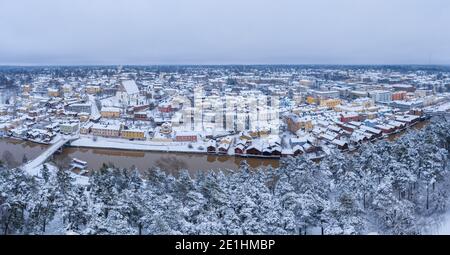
12, 151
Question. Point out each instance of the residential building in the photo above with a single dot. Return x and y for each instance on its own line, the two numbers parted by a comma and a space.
110, 112
382, 96
128, 93
295, 123
330, 103
133, 134
105, 130
399, 95
186, 136
51, 92
80, 107
93, 89
69, 128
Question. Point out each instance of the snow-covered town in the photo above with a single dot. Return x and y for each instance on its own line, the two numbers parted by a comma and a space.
259, 111
225, 126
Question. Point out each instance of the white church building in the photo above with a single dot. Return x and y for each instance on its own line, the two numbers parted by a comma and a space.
128, 93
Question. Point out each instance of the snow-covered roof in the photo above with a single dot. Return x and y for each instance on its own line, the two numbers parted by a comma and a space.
406, 118
211, 143
339, 142
384, 126
224, 146
110, 109
298, 147
130, 87
355, 123
396, 123
256, 144
136, 130
106, 127
328, 136
88, 104
186, 133
334, 128
73, 124
299, 140
370, 129
87, 125
356, 137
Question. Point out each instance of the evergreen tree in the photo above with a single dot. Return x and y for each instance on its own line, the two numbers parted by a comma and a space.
45, 173
77, 210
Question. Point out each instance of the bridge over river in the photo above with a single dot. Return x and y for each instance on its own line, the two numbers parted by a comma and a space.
39, 160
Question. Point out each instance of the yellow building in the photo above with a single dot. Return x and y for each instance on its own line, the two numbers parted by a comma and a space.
93, 89
330, 103
110, 112
259, 133
294, 123
364, 102
310, 100
372, 115
307, 125
133, 134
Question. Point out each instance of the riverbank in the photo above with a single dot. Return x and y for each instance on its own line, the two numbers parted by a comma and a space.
88, 141
14, 151
143, 155
123, 144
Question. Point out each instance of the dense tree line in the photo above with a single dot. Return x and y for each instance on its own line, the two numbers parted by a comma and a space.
396, 187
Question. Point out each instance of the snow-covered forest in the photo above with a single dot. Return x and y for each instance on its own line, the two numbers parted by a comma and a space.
399, 187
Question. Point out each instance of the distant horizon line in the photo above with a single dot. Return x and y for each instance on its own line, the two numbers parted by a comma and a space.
230, 64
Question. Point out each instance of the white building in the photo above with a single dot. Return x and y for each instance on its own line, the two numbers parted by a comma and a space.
105, 130
327, 94
128, 93
69, 128
381, 95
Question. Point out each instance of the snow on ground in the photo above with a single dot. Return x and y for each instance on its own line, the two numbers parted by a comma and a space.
54, 227
79, 179
36, 171
119, 143
444, 107
443, 228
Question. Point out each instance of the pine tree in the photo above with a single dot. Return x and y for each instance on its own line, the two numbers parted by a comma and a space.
43, 209
16, 196
76, 211
45, 173
63, 182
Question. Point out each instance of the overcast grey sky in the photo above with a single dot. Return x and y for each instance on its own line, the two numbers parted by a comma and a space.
224, 32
